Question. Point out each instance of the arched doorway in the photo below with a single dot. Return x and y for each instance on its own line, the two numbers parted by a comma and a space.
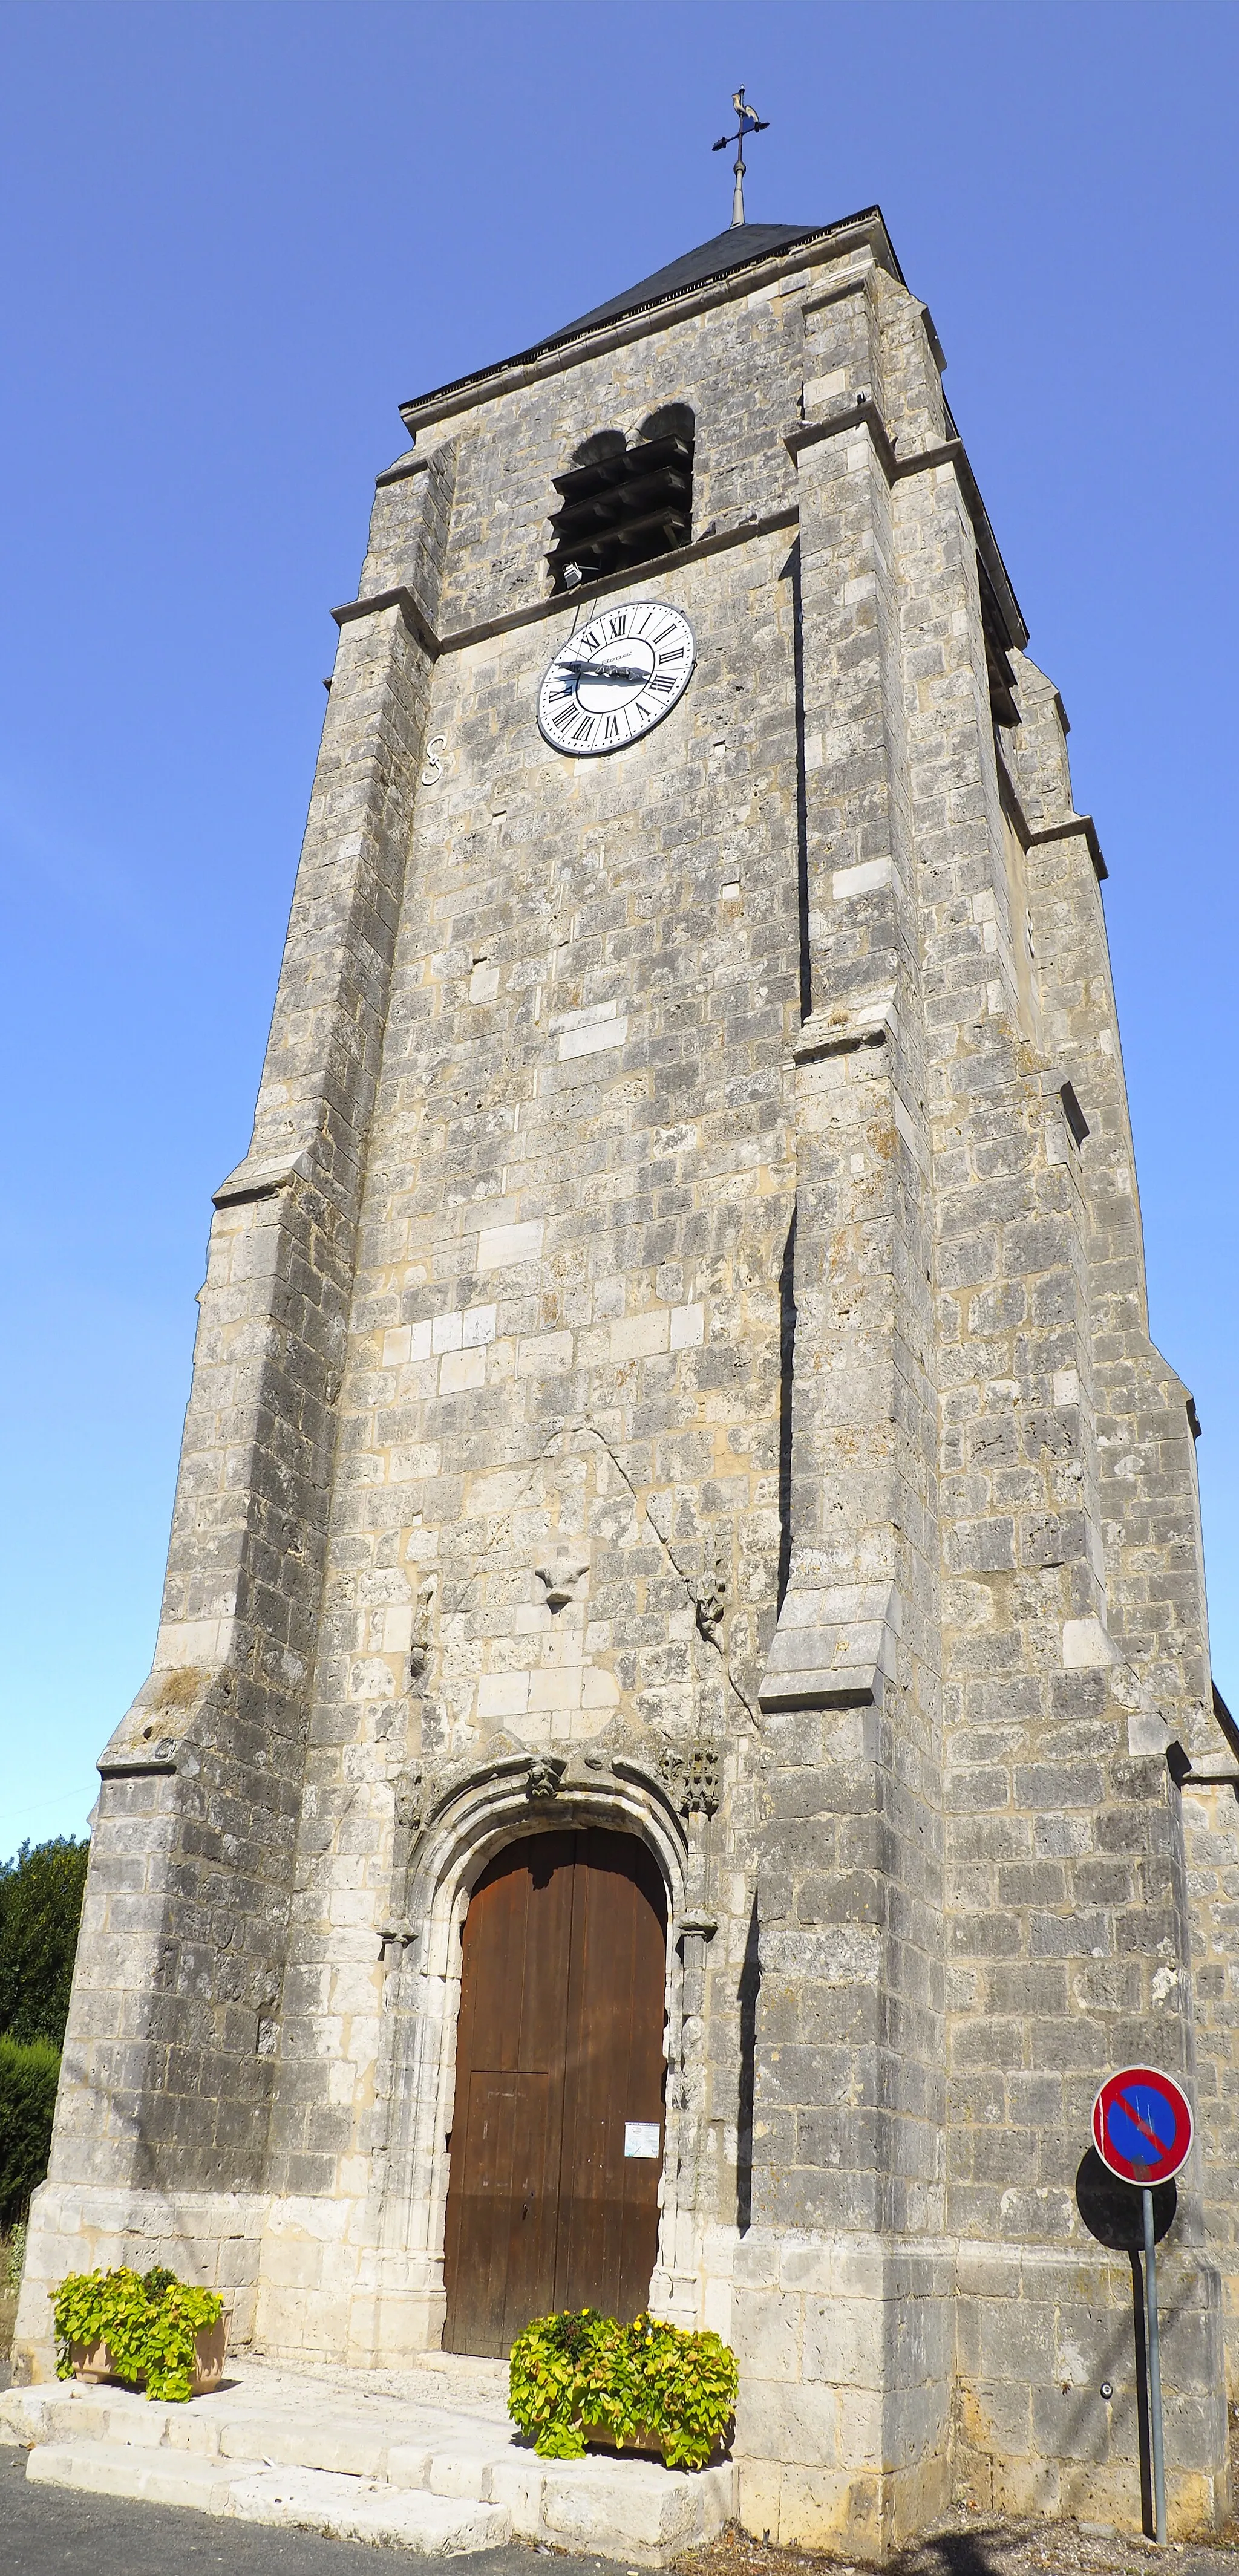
556, 2146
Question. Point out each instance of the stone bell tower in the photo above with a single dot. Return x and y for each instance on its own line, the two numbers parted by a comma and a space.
686, 1562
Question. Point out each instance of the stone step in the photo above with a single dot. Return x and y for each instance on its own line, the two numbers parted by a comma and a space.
600, 2507
447, 2454
273, 2445
121, 2469
58, 2410
322, 2500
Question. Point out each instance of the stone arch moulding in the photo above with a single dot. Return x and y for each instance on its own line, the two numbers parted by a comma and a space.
466, 1820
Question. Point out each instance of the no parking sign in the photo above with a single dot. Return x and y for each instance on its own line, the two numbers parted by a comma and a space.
1142, 2126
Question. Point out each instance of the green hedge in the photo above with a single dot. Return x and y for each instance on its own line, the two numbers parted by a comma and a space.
648, 2385
29, 2071
41, 1894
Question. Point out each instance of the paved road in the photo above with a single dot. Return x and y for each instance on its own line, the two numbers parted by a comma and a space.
45, 2531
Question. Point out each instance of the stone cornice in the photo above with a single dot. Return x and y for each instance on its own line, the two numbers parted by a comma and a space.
716, 541
403, 600
834, 1646
261, 1178
861, 413
1081, 824
865, 1020
844, 286
1031, 837
401, 470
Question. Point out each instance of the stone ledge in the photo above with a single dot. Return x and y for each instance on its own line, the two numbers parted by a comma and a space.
171, 1704
863, 413
830, 1646
402, 599
869, 1019
260, 1179
403, 467
1067, 830
1032, 836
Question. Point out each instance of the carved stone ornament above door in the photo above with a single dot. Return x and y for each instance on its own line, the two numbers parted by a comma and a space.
683, 1778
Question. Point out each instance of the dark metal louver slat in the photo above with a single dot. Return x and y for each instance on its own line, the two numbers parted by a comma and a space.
607, 471
624, 508
585, 479
612, 509
673, 524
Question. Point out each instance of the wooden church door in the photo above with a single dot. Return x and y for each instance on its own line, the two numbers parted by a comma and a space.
556, 2147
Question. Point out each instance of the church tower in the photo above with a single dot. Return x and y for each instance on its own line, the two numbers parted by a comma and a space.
686, 1567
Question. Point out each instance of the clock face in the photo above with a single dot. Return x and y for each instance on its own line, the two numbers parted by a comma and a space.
616, 678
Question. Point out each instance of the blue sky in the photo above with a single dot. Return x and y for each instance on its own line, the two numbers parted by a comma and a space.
237, 237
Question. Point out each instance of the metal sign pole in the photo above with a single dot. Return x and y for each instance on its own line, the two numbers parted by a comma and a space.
1142, 2131
1155, 2367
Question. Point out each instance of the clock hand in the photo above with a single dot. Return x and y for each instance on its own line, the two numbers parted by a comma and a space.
603, 671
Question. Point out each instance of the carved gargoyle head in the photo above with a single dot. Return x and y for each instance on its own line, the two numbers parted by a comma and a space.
545, 1774
559, 1579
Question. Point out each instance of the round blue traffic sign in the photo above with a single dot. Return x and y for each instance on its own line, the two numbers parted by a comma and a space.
1142, 2125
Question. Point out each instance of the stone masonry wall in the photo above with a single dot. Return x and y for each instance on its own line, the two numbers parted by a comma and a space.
566, 1326
1211, 1834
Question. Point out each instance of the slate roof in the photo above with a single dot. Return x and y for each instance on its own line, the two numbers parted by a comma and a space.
739, 247
716, 258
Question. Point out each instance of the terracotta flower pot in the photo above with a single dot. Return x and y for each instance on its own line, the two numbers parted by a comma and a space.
642, 2440
208, 2358
93, 2362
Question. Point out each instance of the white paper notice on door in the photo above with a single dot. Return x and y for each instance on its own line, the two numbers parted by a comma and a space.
641, 2138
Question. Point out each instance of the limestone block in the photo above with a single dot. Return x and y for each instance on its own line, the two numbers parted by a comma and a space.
781, 2420
844, 2343
635, 2507
507, 1247
766, 2334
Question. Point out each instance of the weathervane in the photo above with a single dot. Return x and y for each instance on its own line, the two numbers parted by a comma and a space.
750, 123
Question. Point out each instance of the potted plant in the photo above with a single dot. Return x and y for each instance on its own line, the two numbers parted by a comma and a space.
146, 2329
579, 2377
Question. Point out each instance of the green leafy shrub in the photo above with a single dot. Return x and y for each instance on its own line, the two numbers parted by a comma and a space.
148, 2323
650, 2386
29, 2071
41, 1894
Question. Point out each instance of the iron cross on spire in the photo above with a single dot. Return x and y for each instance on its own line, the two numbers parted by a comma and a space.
750, 123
